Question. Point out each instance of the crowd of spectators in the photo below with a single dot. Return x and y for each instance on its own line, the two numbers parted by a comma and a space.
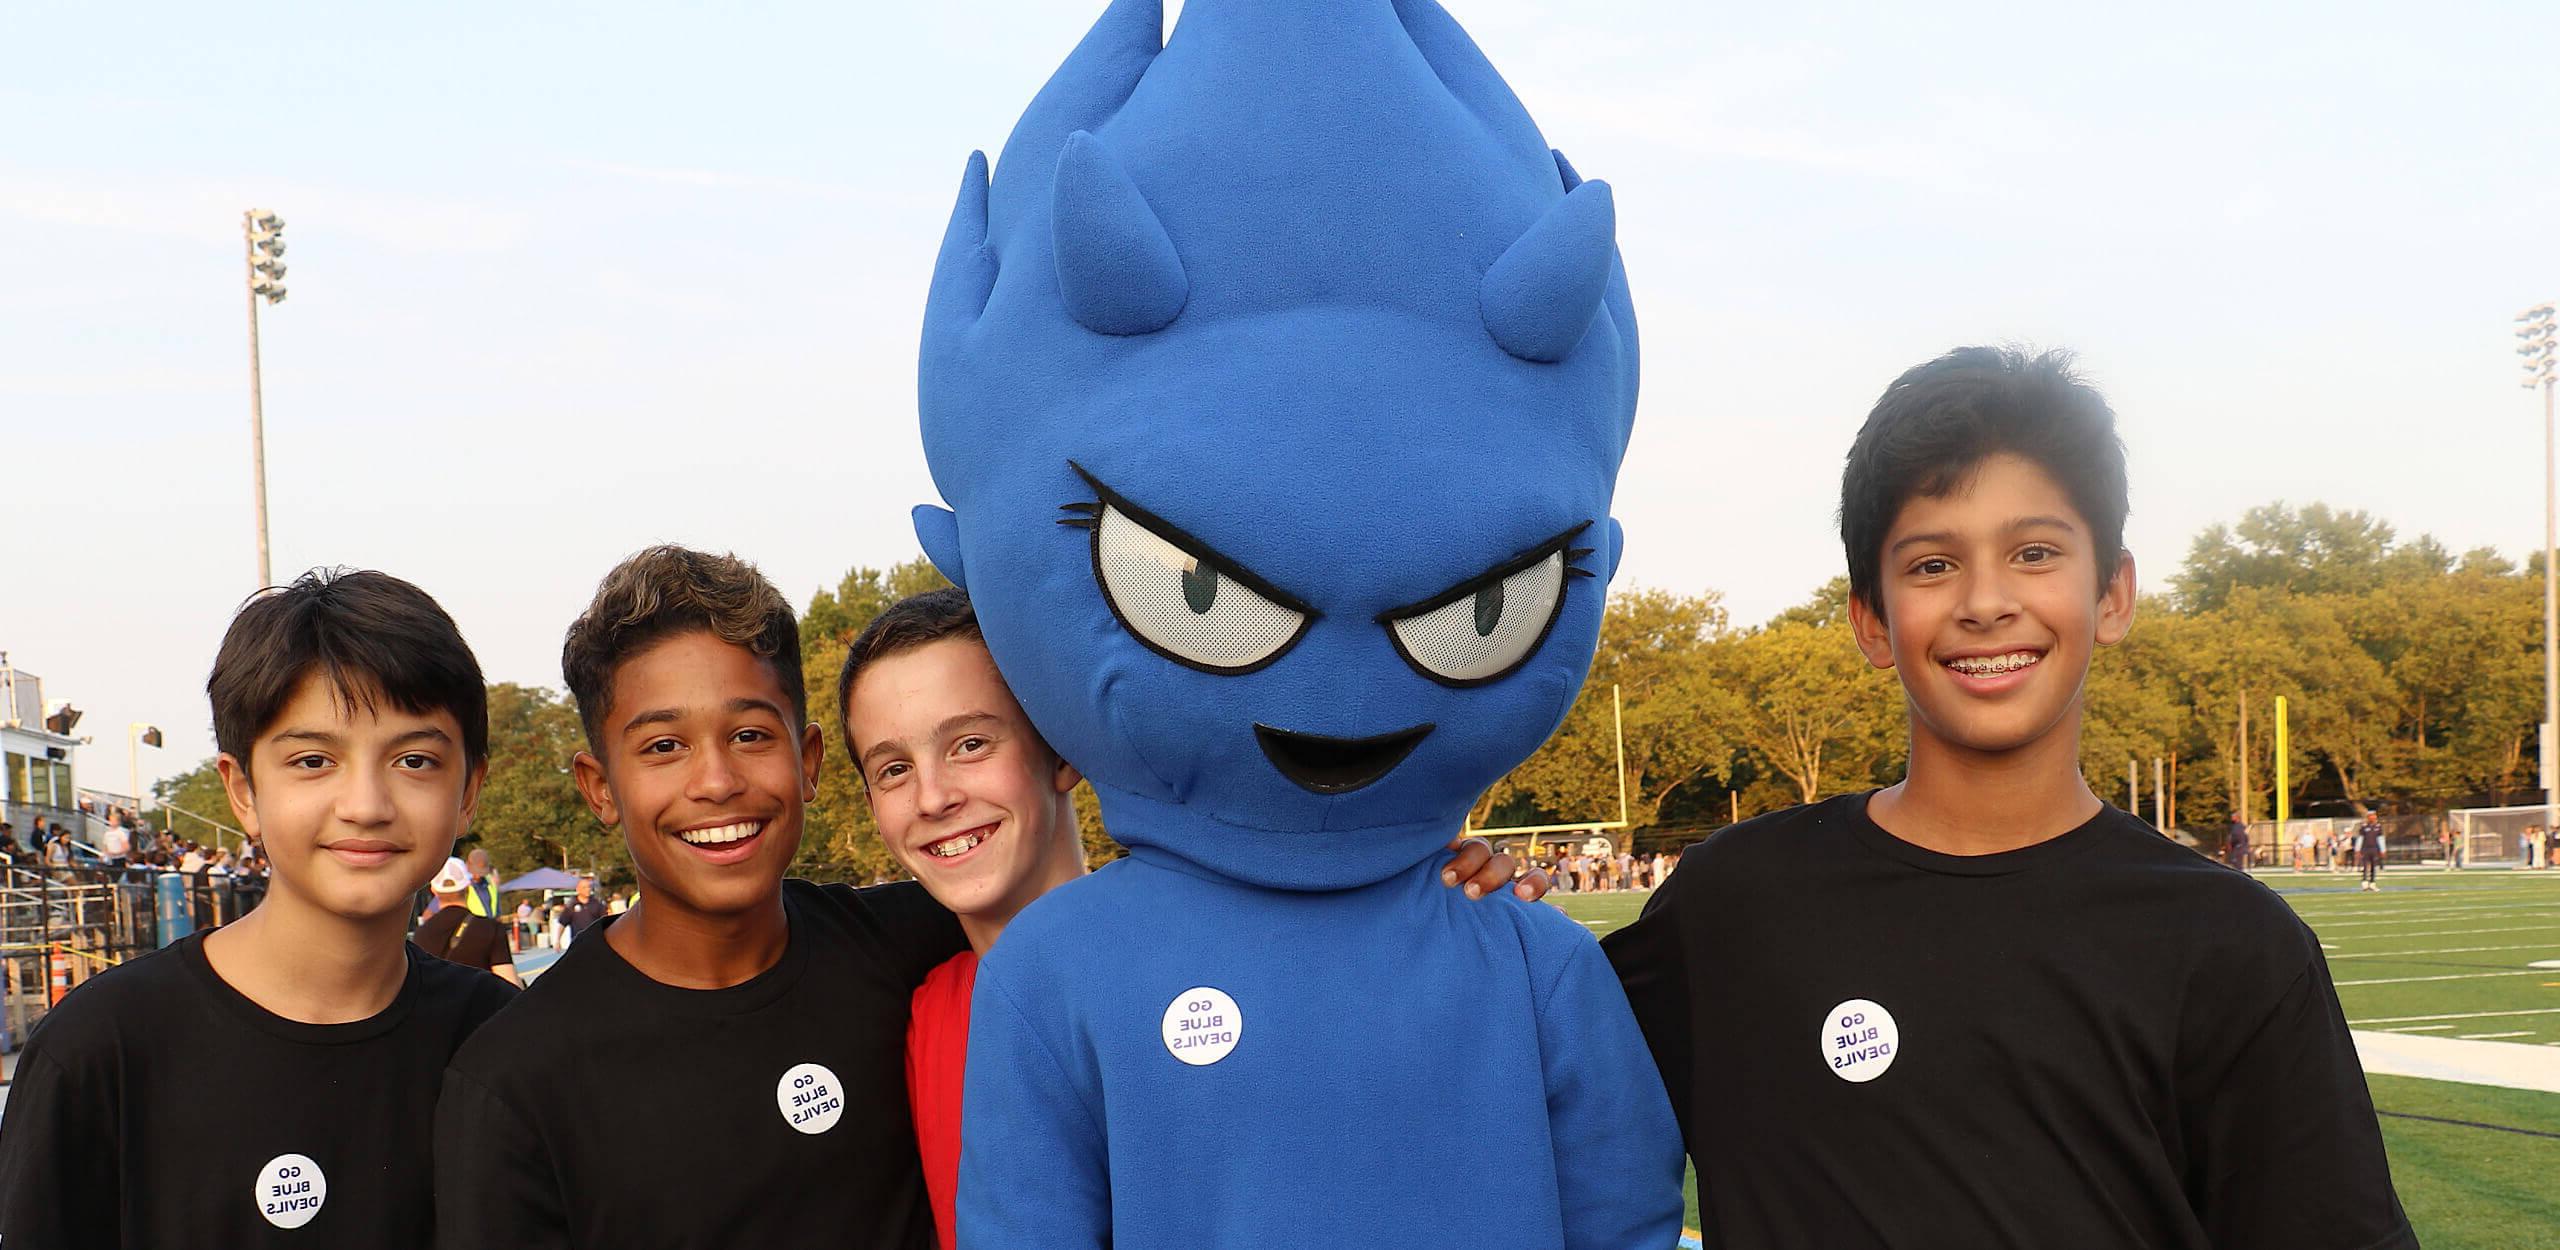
1578, 872
125, 843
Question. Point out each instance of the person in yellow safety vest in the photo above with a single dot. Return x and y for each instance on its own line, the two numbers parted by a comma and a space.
482, 897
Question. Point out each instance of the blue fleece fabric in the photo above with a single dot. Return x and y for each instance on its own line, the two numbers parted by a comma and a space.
1278, 384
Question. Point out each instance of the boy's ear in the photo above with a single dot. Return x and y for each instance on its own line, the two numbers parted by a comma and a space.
471, 798
242, 796
593, 787
1065, 778
1867, 625
2115, 603
813, 756
1617, 549
938, 530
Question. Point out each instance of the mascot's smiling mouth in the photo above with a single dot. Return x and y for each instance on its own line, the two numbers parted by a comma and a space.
1337, 765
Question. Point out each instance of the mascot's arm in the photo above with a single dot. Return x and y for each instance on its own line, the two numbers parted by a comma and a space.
1032, 1164
1617, 1146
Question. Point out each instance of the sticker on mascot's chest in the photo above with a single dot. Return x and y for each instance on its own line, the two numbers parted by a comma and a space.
1202, 1025
1859, 1040
810, 1098
291, 1191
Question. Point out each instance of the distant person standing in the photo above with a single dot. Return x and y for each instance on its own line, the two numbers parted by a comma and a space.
2369, 852
583, 911
482, 896
456, 935
2235, 845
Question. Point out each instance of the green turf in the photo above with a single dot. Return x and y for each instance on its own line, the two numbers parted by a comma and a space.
2472, 1186
2434, 954
2432, 943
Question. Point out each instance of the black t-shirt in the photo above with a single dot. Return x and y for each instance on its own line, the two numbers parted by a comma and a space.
157, 1108
610, 1111
454, 934
2099, 1040
581, 916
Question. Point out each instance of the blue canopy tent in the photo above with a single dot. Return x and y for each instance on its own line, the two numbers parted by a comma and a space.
542, 879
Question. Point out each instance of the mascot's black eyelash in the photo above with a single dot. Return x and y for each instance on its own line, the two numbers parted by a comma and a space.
1086, 514
1520, 563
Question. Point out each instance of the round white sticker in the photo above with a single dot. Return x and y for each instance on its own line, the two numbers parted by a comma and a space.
1859, 1040
811, 1098
291, 1190
1202, 1025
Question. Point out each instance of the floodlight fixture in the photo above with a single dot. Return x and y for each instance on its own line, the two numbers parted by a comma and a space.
271, 267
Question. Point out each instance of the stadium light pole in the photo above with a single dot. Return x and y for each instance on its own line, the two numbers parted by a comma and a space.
137, 736
2540, 347
263, 233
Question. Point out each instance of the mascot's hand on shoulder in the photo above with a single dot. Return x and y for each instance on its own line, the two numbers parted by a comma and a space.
1278, 381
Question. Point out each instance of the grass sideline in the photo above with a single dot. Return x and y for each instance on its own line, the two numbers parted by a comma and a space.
2477, 1167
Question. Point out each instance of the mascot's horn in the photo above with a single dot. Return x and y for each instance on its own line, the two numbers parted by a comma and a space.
964, 274
1116, 267
1539, 299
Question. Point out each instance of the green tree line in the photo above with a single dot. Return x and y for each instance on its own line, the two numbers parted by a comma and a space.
2413, 677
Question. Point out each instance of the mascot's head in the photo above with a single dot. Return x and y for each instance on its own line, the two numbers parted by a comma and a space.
1278, 384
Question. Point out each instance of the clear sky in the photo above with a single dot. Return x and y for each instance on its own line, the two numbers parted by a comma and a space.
572, 278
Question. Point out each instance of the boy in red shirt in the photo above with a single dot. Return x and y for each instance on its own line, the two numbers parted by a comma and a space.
971, 800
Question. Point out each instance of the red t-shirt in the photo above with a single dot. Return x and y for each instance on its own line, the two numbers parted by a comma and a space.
937, 1056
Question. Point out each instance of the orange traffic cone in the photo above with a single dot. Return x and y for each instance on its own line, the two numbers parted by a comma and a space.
61, 976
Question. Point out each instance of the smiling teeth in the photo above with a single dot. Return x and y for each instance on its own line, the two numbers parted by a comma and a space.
723, 833
1993, 665
961, 845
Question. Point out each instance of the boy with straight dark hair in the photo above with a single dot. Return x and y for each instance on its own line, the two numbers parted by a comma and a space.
1981, 1008
353, 729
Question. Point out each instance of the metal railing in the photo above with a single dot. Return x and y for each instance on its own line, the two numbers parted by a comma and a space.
60, 926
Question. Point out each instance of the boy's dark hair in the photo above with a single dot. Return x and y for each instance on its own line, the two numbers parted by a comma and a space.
669, 590
906, 625
1938, 422
369, 635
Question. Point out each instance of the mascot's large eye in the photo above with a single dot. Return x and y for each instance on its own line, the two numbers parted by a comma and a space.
1484, 629
1184, 601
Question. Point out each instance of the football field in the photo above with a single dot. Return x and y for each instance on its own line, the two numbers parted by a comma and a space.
2432, 955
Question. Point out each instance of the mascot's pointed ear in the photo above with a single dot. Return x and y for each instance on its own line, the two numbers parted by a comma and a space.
938, 530
1539, 299
1565, 170
965, 273
1116, 267
1617, 549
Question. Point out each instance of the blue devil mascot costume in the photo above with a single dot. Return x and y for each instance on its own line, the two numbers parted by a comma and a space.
1278, 384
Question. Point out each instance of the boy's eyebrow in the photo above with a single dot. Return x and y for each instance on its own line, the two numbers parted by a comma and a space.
2041, 520
427, 734
744, 703
321, 736
943, 730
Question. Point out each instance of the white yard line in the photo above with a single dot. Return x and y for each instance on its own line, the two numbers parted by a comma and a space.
2478, 1037
2459, 1015
2452, 976
2447, 950
2512, 1065
2431, 933
2425, 1028
2485, 913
